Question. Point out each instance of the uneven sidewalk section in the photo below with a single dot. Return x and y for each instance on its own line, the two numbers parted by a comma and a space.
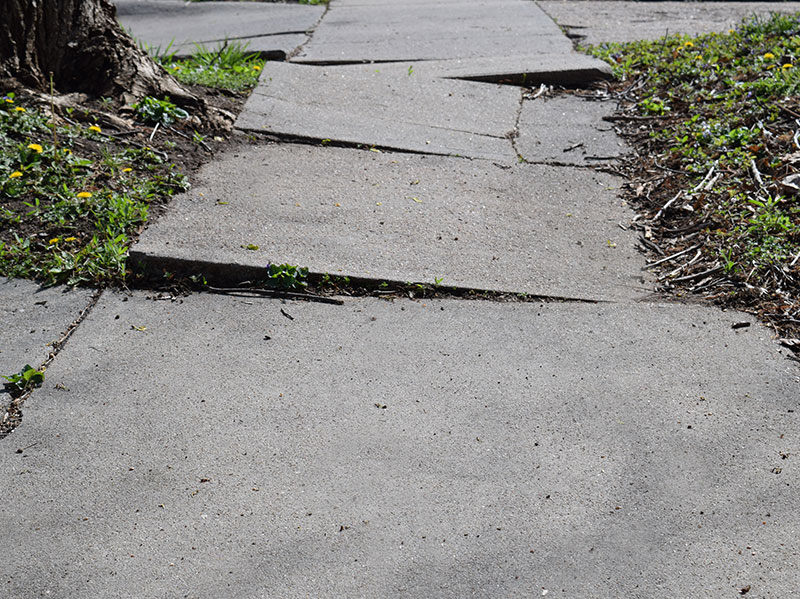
566, 70
362, 104
217, 448
273, 29
401, 217
362, 31
384, 74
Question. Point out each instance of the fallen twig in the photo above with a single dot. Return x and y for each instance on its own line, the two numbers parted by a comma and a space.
756, 174
258, 291
667, 205
698, 275
702, 184
672, 257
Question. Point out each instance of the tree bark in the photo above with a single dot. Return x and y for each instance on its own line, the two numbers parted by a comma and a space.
85, 49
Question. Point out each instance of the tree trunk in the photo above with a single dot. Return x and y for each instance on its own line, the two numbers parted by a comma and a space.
85, 49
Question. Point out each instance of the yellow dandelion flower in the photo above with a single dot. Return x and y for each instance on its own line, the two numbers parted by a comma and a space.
19, 109
788, 65
70, 239
9, 100
84, 194
769, 56
688, 45
95, 128
54, 240
35, 147
256, 67
14, 175
127, 170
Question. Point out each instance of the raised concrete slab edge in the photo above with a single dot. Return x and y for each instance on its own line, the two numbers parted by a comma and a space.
361, 104
565, 69
403, 217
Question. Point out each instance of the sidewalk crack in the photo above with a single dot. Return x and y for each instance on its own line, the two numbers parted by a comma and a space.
309, 33
12, 417
514, 133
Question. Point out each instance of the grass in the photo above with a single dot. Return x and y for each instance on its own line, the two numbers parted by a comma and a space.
229, 66
714, 123
73, 196
69, 204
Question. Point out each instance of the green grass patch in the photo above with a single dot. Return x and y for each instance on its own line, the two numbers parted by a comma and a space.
229, 66
714, 121
70, 200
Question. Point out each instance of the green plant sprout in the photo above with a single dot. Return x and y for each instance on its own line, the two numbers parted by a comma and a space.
25, 379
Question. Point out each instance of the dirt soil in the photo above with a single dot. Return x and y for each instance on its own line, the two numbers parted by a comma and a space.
176, 144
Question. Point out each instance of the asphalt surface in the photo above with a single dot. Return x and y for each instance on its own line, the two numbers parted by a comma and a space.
595, 443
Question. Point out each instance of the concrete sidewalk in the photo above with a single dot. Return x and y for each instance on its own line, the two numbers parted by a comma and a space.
597, 443
214, 448
273, 29
595, 22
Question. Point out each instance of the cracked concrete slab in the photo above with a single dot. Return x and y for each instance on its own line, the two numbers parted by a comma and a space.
268, 28
31, 319
568, 130
551, 69
400, 30
403, 217
405, 449
595, 22
362, 104
470, 39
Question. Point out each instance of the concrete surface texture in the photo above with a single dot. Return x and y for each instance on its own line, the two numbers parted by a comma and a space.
404, 449
400, 217
568, 130
598, 21
269, 28
31, 319
601, 444
387, 31
363, 105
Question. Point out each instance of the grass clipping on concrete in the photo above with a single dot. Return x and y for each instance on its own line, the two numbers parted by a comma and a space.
714, 122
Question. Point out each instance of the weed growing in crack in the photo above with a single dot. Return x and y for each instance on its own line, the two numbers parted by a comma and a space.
287, 276
229, 66
25, 379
